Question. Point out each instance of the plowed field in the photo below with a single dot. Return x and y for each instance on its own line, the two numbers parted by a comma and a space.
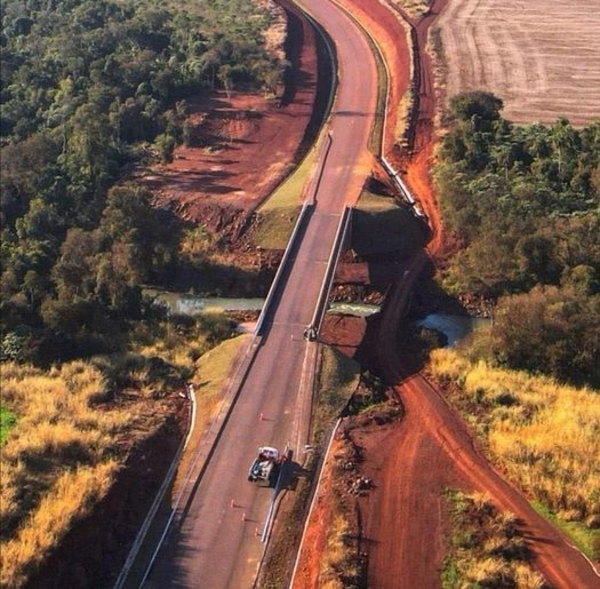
542, 58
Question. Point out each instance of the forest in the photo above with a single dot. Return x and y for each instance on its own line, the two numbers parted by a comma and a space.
89, 89
525, 204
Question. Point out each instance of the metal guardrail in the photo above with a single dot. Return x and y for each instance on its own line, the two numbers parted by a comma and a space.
202, 453
148, 520
338, 243
306, 208
312, 503
404, 190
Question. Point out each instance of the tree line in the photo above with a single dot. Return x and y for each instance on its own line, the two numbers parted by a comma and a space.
525, 202
89, 88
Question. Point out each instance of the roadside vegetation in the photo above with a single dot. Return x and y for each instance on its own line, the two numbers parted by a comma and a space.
357, 394
340, 568
543, 434
277, 216
58, 460
213, 369
524, 202
486, 549
75, 424
339, 379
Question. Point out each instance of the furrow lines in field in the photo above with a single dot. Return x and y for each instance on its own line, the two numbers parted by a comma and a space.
540, 58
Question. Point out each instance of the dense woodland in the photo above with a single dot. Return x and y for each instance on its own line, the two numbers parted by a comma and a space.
90, 88
525, 201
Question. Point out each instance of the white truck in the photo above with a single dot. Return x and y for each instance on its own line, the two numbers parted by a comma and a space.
265, 465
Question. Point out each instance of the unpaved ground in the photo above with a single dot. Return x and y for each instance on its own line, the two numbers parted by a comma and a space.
534, 54
245, 144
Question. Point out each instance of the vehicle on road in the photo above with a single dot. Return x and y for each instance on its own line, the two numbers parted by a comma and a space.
265, 466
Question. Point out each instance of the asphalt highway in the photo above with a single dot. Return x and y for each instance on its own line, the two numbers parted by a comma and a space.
216, 544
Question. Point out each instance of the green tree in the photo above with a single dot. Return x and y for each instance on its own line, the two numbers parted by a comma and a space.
550, 330
74, 271
565, 141
484, 106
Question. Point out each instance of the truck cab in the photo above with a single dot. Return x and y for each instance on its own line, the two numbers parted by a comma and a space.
265, 465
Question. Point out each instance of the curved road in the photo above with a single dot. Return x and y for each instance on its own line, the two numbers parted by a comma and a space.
216, 542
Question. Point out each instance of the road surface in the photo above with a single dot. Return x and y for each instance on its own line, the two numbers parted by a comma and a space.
217, 542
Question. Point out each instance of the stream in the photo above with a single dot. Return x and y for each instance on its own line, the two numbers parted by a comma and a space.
454, 327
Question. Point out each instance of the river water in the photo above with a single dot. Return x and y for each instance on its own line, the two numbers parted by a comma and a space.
454, 327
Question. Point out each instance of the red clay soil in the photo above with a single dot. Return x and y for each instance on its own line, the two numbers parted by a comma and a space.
244, 145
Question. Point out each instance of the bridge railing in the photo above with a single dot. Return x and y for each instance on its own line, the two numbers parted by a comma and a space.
334, 256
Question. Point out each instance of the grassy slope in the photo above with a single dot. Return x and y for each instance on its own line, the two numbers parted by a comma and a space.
543, 433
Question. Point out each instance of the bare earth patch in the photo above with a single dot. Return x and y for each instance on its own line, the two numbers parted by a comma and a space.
243, 145
542, 58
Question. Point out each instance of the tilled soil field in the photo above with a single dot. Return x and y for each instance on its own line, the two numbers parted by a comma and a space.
542, 58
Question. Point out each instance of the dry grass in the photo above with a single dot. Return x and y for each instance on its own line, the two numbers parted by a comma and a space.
339, 562
56, 462
72, 496
405, 110
543, 433
486, 550
63, 451
414, 8
212, 372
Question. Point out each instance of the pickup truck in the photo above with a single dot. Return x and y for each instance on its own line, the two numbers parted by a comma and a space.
265, 465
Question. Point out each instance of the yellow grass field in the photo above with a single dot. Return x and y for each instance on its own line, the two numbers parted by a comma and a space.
541, 57
544, 434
